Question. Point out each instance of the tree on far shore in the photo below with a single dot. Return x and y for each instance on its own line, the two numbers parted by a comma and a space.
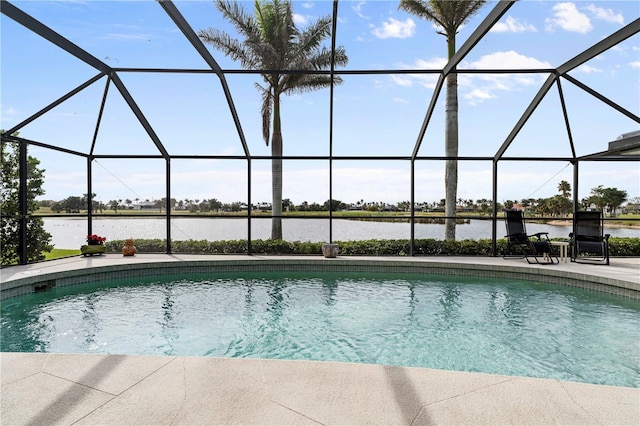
602, 198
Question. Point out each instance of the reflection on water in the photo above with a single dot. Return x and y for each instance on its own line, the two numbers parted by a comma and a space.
70, 233
457, 323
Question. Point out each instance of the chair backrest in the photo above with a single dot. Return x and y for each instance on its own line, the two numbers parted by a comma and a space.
587, 225
514, 221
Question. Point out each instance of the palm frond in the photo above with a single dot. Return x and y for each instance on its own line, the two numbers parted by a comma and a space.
230, 47
311, 38
422, 9
273, 42
455, 13
244, 23
320, 61
448, 14
323, 59
277, 30
312, 83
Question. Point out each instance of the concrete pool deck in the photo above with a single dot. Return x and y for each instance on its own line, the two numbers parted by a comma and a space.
68, 389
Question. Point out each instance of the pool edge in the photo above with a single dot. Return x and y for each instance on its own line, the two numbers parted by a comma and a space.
78, 272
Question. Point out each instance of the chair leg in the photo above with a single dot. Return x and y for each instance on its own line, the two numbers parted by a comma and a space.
598, 256
508, 252
548, 260
544, 250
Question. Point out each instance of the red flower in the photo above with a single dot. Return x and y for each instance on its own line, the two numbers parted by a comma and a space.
96, 239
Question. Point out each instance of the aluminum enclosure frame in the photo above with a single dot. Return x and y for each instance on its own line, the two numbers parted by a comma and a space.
557, 77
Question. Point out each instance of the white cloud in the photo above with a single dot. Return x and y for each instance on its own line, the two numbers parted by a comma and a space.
635, 64
11, 112
426, 80
358, 9
400, 100
617, 48
512, 25
8, 117
402, 80
607, 15
476, 96
299, 19
569, 18
395, 29
434, 63
510, 60
484, 87
587, 69
477, 88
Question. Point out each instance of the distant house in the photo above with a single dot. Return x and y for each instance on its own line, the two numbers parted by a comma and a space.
517, 206
607, 210
145, 205
263, 206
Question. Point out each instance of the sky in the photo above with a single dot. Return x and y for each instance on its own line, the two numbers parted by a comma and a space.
375, 115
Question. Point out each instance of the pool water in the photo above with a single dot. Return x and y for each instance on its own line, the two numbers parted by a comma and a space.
456, 323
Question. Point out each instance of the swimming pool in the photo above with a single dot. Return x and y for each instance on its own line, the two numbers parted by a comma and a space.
489, 325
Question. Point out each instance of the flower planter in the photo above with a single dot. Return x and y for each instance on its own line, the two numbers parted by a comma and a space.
90, 250
329, 250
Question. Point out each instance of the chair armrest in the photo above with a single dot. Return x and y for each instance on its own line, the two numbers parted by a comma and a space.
539, 234
517, 234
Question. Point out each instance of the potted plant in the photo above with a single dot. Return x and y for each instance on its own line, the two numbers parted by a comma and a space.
329, 250
95, 245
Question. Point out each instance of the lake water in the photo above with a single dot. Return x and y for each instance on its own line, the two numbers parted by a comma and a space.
70, 233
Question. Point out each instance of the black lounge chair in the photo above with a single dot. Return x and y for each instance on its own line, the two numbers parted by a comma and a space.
588, 244
521, 245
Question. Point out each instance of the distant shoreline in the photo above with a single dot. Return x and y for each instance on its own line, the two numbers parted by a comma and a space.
608, 224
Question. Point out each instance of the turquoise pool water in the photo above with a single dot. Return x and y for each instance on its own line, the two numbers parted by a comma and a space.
467, 324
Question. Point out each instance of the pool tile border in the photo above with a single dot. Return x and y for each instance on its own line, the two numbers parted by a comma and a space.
89, 274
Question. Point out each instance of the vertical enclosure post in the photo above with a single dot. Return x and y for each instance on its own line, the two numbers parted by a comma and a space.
22, 202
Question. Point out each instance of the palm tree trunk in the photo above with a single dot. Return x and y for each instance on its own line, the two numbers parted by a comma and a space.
276, 172
451, 147
451, 150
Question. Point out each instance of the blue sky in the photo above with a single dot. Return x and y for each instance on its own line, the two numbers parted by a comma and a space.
374, 115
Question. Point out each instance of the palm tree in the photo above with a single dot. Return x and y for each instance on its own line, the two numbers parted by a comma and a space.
449, 15
565, 188
273, 42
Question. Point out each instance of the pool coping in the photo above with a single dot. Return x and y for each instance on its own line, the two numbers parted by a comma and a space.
66, 389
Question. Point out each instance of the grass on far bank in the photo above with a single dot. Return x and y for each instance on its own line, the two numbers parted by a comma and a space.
630, 218
58, 253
